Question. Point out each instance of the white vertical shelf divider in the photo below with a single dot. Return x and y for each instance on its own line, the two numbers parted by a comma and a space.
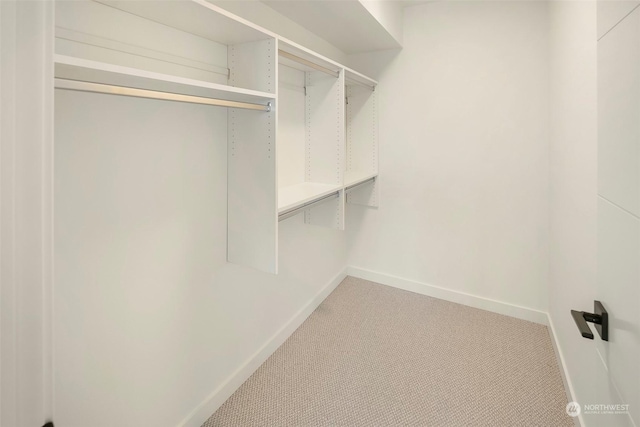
324, 143
253, 64
252, 207
361, 176
311, 141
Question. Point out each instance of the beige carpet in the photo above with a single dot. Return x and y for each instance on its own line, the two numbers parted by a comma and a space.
372, 355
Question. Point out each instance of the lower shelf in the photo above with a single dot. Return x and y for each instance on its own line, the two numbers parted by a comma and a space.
297, 195
356, 177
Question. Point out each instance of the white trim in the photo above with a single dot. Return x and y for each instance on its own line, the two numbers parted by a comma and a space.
568, 386
8, 298
475, 301
26, 199
199, 415
48, 184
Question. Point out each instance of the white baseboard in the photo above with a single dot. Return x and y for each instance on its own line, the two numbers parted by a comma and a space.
199, 415
568, 386
499, 307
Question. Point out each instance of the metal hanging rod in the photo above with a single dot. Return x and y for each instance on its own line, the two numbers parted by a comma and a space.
359, 83
308, 63
354, 186
296, 211
152, 94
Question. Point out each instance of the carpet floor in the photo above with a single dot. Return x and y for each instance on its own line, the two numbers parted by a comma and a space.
372, 355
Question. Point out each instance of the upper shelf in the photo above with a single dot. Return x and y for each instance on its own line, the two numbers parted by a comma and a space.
348, 25
300, 58
295, 56
197, 17
354, 77
84, 70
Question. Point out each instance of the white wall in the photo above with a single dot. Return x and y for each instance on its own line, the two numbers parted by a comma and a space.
573, 191
463, 153
150, 321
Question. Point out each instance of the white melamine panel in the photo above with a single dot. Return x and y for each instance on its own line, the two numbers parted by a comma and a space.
365, 194
253, 65
287, 30
185, 39
611, 12
618, 112
361, 143
325, 143
354, 77
329, 214
356, 177
193, 16
324, 128
252, 207
310, 142
619, 290
348, 25
305, 192
97, 32
362, 131
99, 72
307, 55
291, 127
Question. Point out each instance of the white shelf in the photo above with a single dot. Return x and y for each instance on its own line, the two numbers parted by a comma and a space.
306, 55
354, 77
197, 17
85, 70
356, 177
348, 25
299, 194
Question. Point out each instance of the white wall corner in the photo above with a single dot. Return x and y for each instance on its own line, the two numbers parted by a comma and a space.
463, 298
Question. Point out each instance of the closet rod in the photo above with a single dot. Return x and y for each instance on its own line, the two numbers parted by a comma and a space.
152, 94
296, 211
307, 63
359, 83
354, 186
